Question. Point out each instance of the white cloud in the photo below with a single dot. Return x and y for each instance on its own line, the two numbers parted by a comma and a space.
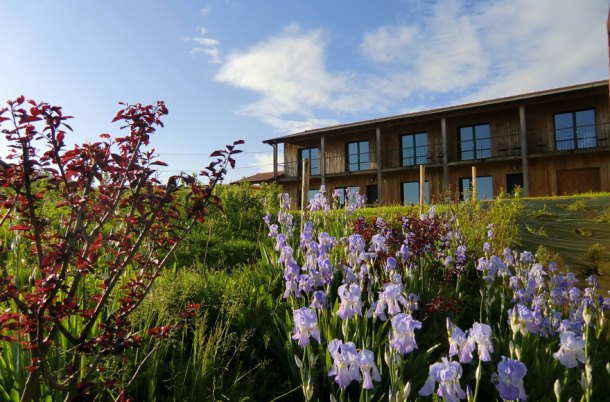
213, 53
202, 31
206, 41
186, 39
206, 10
453, 51
288, 70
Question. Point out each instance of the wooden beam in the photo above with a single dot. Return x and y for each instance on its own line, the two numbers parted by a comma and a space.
473, 188
304, 193
524, 164
274, 161
322, 162
445, 156
378, 138
422, 188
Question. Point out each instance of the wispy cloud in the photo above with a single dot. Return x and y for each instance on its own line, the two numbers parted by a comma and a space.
206, 10
210, 45
455, 51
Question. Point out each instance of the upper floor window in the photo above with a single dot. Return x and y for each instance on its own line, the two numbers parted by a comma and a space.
357, 156
474, 142
574, 130
409, 193
414, 149
484, 188
314, 160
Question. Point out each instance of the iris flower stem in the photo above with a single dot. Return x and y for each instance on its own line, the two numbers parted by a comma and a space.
476, 387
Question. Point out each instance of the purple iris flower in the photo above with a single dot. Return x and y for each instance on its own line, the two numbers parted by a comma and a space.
305, 326
273, 230
521, 319
378, 244
350, 301
390, 264
403, 252
572, 349
402, 337
345, 362
368, 368
487, 248
448, 375
509, 379
319, 300
457, 342
481, 334
390, 297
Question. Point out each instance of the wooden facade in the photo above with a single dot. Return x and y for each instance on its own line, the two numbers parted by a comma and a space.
511, 141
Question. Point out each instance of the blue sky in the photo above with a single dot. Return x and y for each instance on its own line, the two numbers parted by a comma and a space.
253, 70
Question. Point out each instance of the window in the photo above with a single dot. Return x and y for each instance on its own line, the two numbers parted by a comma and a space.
314, 160
414, 149
410, 193
474, 142
343, 194
357, 156
484, 188
575, 130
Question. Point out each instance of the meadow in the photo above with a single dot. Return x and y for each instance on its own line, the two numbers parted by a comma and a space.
116, 287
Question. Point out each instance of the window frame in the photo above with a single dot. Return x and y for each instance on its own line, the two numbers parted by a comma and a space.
348, 157
477, 151
343, 201
575, 139
416, 158
311, 165
469, 179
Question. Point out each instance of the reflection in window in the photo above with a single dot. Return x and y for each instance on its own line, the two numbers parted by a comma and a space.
357, 156
474, 142
484, 188
410, 193
575, 130
414, 149
314, 160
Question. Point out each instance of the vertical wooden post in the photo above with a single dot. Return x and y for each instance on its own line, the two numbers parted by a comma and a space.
274, 161
524, 163
422, 188
304, 192
378, 142
445, 155
474, 183
322, 162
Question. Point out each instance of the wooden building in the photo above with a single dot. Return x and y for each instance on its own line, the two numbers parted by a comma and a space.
551, 142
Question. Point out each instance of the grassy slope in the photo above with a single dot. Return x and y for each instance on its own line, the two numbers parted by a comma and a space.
567, 232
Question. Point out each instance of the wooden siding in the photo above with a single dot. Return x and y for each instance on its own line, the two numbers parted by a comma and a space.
336, 150
391, 141
543, 171
392, 184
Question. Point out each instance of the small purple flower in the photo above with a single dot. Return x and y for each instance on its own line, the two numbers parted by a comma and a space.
345, 362
509, 379
487, 248
448, 375
572, 349
350, 301
403, 253
390, 264
481, 334
305, 326
319, 300
402, 337
273, 230
368, 368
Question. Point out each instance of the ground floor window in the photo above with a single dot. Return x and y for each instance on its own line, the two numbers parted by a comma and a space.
346, 193
409, 193
484, 188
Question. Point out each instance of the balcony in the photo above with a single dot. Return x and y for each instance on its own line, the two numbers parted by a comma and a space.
569, 140
497, 147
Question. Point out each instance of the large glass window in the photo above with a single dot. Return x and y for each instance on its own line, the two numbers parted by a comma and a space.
574, 130
484, 188
357, 156
410, 193
475, 142
414, 149
314, 160
347, 194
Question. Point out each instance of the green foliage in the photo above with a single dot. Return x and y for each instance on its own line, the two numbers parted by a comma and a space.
578, 205
603, 218
595, 256
545, 257
230, 237
542, 213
